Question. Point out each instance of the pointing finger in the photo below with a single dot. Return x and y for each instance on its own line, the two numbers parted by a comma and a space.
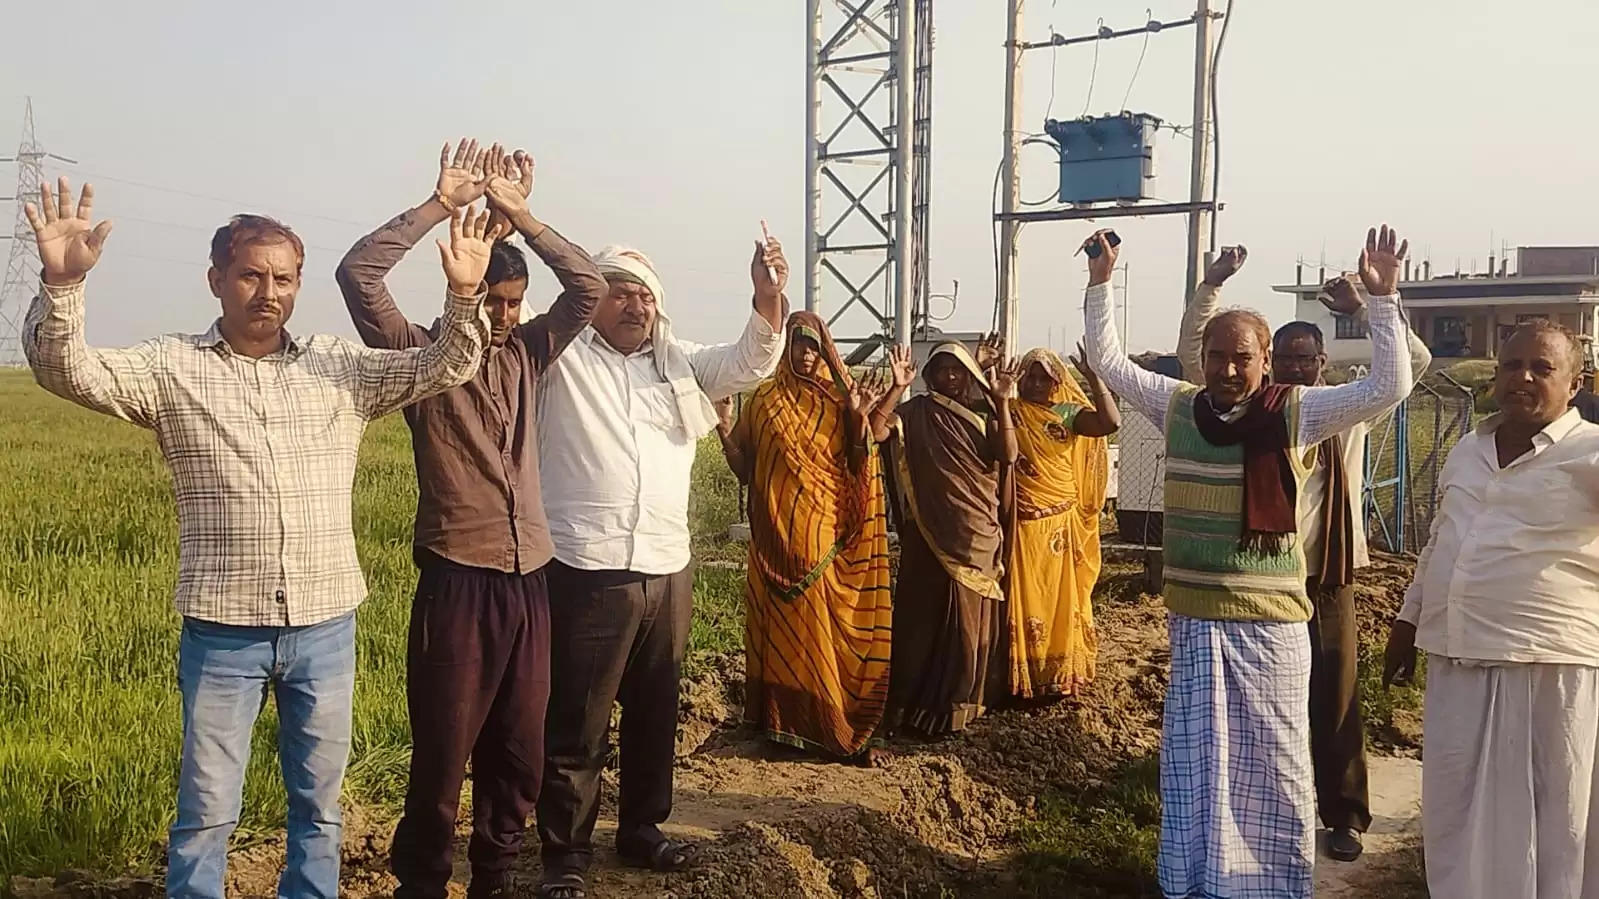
1371, 241
444, 156
1404, 249
35, 220
65, 199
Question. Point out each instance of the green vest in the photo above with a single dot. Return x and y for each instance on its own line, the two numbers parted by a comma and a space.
1207, 573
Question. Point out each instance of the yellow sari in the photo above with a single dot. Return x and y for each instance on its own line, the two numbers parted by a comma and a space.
818, 602
1054, 554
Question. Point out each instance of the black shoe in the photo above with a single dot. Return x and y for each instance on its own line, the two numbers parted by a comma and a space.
492, 886
1344, 845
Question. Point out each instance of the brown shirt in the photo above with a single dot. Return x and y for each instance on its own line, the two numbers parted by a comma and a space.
477, 461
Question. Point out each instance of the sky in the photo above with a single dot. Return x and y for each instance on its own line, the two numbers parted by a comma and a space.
677, 126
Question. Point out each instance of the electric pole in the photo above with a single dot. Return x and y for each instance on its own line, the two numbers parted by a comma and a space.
22, 276
1010, 175
1199, 248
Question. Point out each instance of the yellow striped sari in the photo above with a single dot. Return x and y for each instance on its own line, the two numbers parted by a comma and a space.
818, 601
1054, 554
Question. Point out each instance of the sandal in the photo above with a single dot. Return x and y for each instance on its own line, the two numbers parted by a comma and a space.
666, 856
566, 886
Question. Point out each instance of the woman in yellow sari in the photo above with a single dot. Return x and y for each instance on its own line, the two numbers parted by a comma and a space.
1059, 483
818, 609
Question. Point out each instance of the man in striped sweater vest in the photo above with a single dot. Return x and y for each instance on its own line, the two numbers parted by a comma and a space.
1238, 800
1332, 532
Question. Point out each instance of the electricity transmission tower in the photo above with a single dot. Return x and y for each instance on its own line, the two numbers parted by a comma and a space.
868, 165
22, 273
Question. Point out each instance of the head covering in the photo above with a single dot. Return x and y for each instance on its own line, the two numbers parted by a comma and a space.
962, 355
695, 413
1066, 387
810, 325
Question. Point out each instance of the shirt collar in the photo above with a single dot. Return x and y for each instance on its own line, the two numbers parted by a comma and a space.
213, 339
1552, 433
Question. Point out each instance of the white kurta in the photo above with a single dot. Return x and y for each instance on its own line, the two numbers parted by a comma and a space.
1508, 787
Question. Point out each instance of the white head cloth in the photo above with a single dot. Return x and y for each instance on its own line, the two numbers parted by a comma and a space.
695, 413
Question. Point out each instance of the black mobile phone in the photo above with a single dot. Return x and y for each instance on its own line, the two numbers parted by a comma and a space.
1111, 237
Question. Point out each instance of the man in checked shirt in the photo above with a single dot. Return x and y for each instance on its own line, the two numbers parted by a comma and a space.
260, 429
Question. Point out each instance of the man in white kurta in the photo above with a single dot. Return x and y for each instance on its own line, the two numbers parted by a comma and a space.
1506, 605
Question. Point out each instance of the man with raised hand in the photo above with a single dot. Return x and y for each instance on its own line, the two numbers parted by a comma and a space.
260, 429
626, 406
478, 658
1332, 530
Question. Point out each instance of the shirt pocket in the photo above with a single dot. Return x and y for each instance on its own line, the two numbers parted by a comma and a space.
1542, 499
655, 406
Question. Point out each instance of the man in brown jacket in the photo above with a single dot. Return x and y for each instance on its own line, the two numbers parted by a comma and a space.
477, 664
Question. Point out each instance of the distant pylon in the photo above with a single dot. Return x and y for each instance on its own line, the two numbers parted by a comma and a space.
22, 271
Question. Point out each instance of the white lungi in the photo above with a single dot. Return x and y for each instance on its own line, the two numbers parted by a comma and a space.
1507, 780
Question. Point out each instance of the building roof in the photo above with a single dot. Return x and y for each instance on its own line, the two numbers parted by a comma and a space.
1464, 283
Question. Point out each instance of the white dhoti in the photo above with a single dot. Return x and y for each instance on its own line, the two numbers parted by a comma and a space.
1508, 780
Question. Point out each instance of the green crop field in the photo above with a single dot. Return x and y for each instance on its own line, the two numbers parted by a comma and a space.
89, 709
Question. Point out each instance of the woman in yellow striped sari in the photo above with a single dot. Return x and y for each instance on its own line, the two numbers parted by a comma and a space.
1059, 484
818, 603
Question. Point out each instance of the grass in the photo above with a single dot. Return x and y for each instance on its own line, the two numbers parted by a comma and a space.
1099, 841
89, 709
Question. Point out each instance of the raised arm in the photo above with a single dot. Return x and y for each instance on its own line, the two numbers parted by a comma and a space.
730, 368
362, 271
1147, 391
582, 285
1003, 429
1105, 418
386, 380
903, 370
1201, 308
1325, 411
116, 382
734, 436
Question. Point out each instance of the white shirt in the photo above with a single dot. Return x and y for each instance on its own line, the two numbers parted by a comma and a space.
1511, 572
1323, 411
614, 463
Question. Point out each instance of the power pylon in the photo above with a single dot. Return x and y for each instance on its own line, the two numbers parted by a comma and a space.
22, 271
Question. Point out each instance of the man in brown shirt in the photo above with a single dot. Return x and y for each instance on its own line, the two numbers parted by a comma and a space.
478, 669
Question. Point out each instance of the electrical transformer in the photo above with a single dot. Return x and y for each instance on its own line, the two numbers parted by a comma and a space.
1105, 159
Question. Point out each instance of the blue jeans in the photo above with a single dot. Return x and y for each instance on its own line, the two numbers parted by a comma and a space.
225, 674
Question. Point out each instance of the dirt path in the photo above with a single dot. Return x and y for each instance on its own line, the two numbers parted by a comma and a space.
937, 820
1392, 844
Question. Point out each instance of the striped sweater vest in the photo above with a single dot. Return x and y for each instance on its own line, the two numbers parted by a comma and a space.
1207, 573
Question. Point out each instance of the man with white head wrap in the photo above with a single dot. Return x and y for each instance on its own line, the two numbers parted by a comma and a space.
623, 410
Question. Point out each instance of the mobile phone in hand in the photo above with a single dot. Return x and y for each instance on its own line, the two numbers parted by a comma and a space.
1111, 237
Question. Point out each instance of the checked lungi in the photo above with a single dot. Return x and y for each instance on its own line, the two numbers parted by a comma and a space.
1238, 798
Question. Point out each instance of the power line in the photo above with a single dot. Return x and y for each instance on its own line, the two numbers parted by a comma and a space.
16, 291
1138, 68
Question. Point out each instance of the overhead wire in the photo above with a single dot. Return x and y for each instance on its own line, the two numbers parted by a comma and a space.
1145, 49
1093, 73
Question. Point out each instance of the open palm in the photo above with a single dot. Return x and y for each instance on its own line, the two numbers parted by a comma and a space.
69, 242
466, 258
899, 361
461, 176
1381, 261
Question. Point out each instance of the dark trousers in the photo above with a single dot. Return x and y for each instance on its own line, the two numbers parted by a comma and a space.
1337, 736
615, 636
476, 682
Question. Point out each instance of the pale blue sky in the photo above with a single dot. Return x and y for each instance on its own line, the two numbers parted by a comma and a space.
676, 126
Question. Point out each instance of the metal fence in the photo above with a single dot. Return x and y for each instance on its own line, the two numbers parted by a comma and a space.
1405, 453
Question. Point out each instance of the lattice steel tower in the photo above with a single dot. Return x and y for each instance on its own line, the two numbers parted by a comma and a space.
22, 266
866, 245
